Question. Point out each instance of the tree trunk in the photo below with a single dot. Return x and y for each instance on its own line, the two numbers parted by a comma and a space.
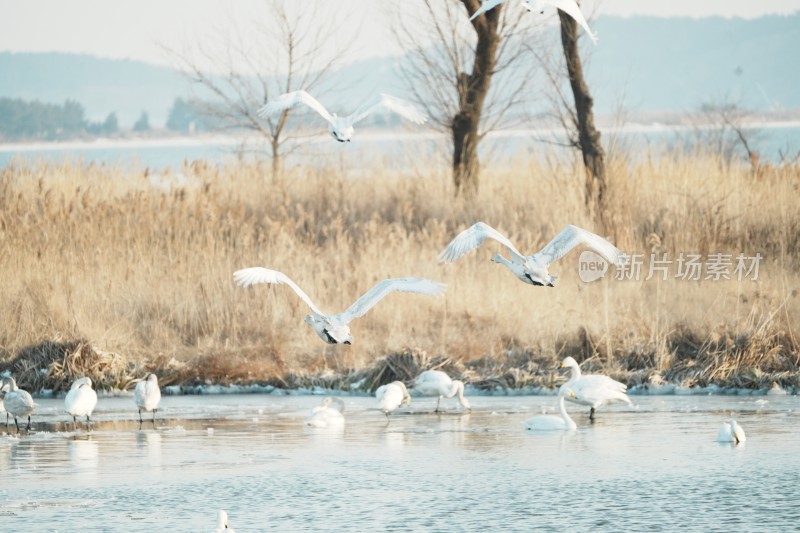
276, 157
472, 91
588, 136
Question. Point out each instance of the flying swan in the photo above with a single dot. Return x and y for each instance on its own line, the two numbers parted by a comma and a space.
553, 422
81, 401
570, 7
593, 390
437, 383
333, 329
532, 269
341, 128
392, 396
329, 414
731, 432
147, 396
18, 403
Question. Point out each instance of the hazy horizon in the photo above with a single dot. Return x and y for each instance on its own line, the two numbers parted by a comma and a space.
140, 30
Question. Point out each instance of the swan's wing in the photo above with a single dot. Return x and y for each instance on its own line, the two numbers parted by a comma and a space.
571, 236
288, 100
471, 238
384, 101
387, 286
571, 8
486, 6
255, 275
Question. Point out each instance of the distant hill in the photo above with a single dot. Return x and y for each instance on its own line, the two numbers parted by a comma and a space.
101, 85
652, 64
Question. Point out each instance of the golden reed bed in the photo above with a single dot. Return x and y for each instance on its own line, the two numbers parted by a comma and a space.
103, 274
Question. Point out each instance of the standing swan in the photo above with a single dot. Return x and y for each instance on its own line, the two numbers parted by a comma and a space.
81, 401
593, 390
333, 329
18, 402
341, 128
532, 269
329, 414
222, 523
731, 432
437, 383
553, 422
3, 390
392, 396
147, 395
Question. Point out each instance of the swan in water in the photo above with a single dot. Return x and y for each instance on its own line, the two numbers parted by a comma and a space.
570, 7
553, 422
333, 329
731, 432
593, 390
329, 414
18, 403
776, 390
222, 523
532, 269
392, 396
437, 383
3, 389
147, 395
341, 128
81, 401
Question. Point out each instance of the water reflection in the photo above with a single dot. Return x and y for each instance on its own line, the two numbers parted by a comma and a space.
83, 454
149, 443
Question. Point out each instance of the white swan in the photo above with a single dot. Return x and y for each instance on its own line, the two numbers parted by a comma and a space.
341, 128
329, 414
532, 269
81, 400
391, 396
333, 329
3, 390
437, 383
222, 523
731, 432
570, 7
147, 396
18, 403
593, 390
553, 422
776, 390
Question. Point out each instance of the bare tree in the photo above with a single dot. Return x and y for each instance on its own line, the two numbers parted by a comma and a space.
288, 48
451, 77
574, 112
588, 138
722, 127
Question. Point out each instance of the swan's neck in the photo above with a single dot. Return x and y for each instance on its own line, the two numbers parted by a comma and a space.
564, 415
575, 372
457, 388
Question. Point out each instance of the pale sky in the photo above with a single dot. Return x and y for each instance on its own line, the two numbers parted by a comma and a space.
134, 29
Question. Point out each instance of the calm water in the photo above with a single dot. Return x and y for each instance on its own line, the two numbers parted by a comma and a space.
653, 467
400, 148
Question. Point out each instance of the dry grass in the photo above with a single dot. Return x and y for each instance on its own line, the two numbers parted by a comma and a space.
96, 256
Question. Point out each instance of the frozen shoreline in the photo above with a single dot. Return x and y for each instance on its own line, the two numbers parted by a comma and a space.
637, 390
377, 135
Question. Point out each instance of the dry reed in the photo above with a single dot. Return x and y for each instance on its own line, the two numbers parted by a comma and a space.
96, 258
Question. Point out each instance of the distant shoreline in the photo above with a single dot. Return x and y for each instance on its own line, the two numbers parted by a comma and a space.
376, 135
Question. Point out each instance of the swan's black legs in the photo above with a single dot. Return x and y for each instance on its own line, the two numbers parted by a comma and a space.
591, 414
